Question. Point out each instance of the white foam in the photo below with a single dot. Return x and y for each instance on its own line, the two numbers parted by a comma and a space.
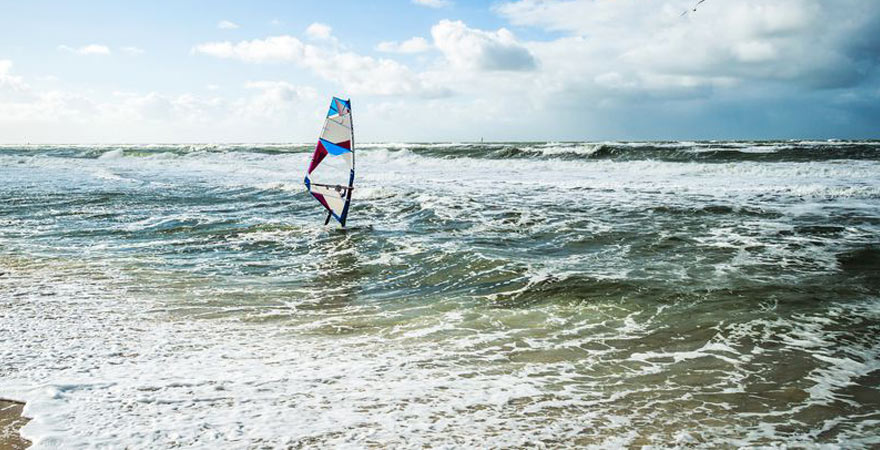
106, 346
112, 154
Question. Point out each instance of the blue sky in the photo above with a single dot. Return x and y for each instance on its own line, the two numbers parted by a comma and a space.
209, 71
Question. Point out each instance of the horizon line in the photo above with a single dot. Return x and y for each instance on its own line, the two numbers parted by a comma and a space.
562, 141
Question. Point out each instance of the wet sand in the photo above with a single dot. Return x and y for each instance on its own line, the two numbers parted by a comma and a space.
11, 422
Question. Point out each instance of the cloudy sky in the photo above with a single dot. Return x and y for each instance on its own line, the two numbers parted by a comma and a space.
424, 70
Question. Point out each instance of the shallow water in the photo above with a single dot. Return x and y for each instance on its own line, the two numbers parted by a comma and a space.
670, 294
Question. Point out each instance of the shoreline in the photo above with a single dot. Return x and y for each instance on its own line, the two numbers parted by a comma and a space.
11, 422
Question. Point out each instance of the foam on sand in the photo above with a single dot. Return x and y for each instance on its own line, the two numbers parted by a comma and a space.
11, 422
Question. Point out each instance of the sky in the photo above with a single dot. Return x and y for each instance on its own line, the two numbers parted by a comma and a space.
439, 70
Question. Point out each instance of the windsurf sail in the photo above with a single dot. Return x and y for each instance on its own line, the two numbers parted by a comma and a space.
330, 178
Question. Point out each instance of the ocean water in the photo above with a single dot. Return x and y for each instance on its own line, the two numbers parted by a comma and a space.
549, 295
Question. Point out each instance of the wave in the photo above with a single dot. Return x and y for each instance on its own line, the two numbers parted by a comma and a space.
719, 152
668, 151
110, 151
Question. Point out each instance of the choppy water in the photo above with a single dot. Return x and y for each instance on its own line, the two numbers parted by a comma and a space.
669, 294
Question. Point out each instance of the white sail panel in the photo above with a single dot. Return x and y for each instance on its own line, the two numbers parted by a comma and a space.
337, 129
334, 197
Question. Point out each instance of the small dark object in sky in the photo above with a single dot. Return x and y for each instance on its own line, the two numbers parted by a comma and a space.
694, 9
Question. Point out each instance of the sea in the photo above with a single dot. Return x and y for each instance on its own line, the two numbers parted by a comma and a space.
604, 295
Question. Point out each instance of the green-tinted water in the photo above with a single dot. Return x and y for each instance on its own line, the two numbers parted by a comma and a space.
665, 294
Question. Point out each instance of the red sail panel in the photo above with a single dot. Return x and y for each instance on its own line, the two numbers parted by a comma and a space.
320, 198
319, 155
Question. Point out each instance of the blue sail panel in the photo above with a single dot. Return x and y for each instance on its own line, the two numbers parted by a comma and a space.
334, 149
338, 106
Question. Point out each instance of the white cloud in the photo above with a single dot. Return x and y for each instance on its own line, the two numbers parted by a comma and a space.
91, 49
357, 74
94, 49
190, 108
433, 3
413, 45
474, 49
227, 25
270, 110
365, 75
274, 97
49, 105
275, 48
132, 50
7, 80
807, 42
319, 31
282, 90
602, 69
755, 51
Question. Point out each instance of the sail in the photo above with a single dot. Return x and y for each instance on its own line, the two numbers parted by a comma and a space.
330, 178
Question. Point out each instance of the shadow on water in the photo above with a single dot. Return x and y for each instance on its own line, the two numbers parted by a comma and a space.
865, 260
862, 265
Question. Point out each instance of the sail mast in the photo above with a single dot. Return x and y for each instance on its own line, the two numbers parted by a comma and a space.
351, 179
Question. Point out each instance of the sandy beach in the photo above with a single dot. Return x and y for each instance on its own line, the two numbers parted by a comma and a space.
11, 422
